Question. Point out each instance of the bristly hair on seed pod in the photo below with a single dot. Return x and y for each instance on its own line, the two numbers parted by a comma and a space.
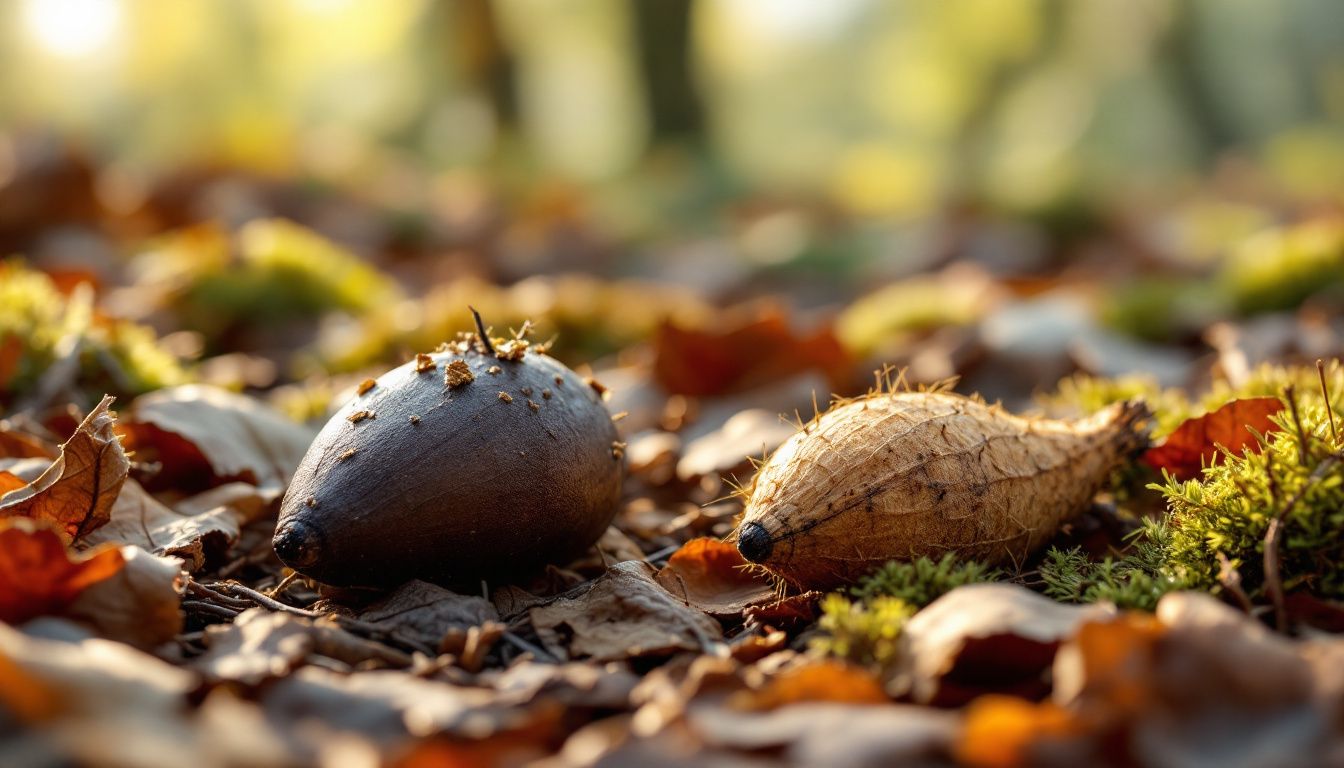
899, 473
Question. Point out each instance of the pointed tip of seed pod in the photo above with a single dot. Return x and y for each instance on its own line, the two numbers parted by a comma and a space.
753, 543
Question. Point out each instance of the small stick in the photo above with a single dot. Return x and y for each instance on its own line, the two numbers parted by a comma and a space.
279, 589
1325, 395
523, 645
201, 607
480, 331
267, 602
211, 595
1231, 581
1290, 393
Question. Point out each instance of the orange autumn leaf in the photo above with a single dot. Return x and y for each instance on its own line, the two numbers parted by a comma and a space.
39, 576
711, 576
1001, 731
1196, 443
700, 363
11, 353
10, 482
831, 681
77, 491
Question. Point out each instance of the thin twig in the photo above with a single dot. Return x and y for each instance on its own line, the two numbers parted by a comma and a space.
212, 596
1325, 395
279, 589
201, 607
1231, 581
266, 602
480, 331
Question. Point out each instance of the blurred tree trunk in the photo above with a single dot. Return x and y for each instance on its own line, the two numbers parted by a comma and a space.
482, 58
663, 32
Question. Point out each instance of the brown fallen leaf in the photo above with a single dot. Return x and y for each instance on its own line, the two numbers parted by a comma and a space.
39, 576
710, 576
750, 434
199, 529
206, 436
985, 638
257, 646
78, 490
1196, 443
139, 605
425, 612
18, 444
700, 363
623, 615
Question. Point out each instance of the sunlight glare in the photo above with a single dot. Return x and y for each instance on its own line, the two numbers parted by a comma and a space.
73, 27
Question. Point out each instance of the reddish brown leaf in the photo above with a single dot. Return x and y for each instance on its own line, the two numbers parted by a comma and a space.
78, 490
10, 482
39, 576
15, 444
1195, 444
709, 362
711, 576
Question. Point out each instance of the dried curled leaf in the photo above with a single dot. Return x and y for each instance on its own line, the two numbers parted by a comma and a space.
1196, 443
711, 576
77, 491
39, 576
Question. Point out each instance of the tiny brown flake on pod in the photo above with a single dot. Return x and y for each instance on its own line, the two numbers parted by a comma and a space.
348, 454
359, 416
457, 373
310, 501
494, 369
415, 419
533, 406
506, 397
596, 385
546, 393
559, 379
365, 386
424, 363
527, 391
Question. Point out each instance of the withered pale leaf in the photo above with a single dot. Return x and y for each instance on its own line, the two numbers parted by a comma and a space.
624, 614
573, 684
712, 577
1195, 444
39, 576
750, 434
985, 638
824, 680
257, 646
425, 612
139, 605
78, 490
199, 529
197, 429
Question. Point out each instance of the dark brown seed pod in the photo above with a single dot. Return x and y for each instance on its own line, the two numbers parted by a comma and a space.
452, 482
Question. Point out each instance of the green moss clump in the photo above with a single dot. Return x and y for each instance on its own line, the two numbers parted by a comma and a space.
1228, 511
1081, 395
1280, 268
921, 582
39, 326
1136, 581
866, 634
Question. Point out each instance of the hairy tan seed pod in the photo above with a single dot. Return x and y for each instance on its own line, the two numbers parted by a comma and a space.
900, 475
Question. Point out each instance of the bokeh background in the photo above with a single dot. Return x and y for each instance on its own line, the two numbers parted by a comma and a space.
270, 193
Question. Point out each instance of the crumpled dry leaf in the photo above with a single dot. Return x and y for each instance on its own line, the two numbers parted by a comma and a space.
624, 614
139, 605
204, 435
572, 684
426, 612
18, 444
260, 645
700, 363
750, 434
77, 491
710, 576
984, 638
1195, 444
613, 547
199, 529
39, 576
